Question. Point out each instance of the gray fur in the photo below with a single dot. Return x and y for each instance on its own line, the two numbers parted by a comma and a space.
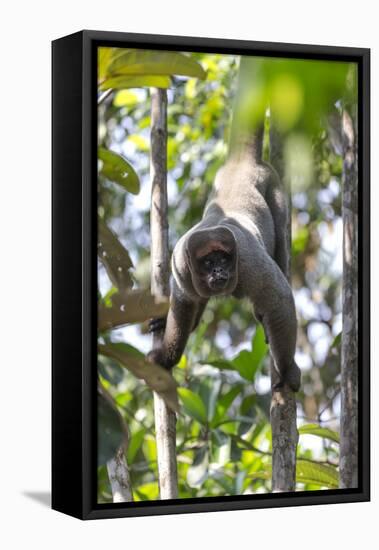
247, 211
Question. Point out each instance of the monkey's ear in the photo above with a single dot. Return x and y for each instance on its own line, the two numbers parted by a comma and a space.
203, 242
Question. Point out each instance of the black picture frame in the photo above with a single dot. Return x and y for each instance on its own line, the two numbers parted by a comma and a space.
74, 172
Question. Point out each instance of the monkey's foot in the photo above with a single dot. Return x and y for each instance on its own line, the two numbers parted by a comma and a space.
157, 325
291, 378
158, 357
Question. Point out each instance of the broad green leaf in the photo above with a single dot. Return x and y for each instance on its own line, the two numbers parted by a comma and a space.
122, 399
155, 62
248, 403
322, 475
110, 370
337, 341
147, 491
114, 257
139, 141
262, 474
221, 447
319, 474
182, 363
238, 482
226, 400
156, 377
288, 85
245, 365
104, 57
246, 362
315, 429
193, 405
225, 482
198, 472
221, 364
259, 348
135, 442
208, 392
150, 448
299, 240
248, 410
117, 169
112, 433
125, 98
223, 403
143, 81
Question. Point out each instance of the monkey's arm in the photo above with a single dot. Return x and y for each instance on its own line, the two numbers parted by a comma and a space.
183, 317
275, 305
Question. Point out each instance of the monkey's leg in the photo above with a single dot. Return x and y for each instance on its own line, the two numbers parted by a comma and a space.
275, 304
281, 327
180, 321
277, 202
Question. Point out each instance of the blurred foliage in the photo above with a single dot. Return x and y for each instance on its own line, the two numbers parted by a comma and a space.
223, 430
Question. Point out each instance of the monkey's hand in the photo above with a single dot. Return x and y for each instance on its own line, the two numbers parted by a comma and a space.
290, 377
157, 325
159, 357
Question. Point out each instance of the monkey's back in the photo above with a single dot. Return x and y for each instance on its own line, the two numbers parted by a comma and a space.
239, 193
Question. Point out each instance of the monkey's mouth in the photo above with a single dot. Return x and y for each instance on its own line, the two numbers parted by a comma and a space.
218, 283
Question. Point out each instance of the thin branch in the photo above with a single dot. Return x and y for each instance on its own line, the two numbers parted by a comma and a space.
104, 96
119, 478
283, 409
165, 419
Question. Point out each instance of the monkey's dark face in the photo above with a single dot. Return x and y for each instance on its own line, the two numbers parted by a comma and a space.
212, 257
215, 270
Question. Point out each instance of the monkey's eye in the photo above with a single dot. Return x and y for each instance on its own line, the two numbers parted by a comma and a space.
208, 263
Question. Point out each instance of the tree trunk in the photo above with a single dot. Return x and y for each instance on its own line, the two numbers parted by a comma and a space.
119, 478
283, 402
349, 356
165, 419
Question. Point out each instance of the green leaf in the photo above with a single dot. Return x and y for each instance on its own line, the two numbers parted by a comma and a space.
125, 98
147, 491
110, 370
221, 364
135, 442
117, 169
193, 405
299, 240
319, 474
143, 81
238, 482
104, 57
244, 363
139, 141
221, 447
315, 429
337, 341
259, 348
208, 391
114, 257
112, 433
156, 377
155, 62
198, 472
223, 404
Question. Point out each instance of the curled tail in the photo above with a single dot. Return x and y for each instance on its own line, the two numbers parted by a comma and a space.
247, 143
